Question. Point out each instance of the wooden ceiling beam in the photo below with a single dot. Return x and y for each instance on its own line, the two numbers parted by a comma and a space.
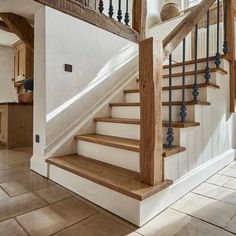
19, 26
4, 27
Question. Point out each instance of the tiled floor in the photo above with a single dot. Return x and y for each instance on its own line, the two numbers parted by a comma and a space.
33, 205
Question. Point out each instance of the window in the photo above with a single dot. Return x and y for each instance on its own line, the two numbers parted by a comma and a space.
191, 3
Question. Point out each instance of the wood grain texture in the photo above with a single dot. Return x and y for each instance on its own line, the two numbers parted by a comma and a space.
185, 27
121, 180
175, 103
4, 27
139, 17
151, 147
124, 143
82, 12
175, 124
20, 26
231, 41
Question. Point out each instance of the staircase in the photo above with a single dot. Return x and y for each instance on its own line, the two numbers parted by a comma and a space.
110, 157
136, 170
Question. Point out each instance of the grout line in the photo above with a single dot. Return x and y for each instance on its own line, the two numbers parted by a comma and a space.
78, 222
203, 220
21, 226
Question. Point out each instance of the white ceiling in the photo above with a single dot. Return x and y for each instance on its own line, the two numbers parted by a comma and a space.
25, 8
7, 39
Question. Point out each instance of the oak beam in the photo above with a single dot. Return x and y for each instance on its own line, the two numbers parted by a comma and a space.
84, 13
150, 74
20, 26
139, 16
4, 27
185, 27
231, 41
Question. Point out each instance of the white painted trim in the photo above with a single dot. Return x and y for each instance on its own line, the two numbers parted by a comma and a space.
38, 166
130, 209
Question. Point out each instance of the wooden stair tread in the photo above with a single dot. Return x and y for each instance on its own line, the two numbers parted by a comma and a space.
121, 180
189, 62
174, 103
175, 75
177, 87
220, 70
124, 143
175, 124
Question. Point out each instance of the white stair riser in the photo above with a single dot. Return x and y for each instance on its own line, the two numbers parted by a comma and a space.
129, 131
119, 130
201, 66
176, 94
133, 112
115, 156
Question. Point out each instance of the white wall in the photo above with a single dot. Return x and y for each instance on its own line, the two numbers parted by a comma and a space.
100, 61
7, 89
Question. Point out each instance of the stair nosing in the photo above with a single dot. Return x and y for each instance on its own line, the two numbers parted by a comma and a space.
109, 184
175, 124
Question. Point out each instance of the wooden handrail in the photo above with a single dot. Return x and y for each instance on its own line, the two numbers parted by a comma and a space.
185, 27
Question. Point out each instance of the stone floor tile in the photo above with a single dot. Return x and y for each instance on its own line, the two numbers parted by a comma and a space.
100, 224
227, 171
217, 192
14, 206
3, 167
217, 179
232, 225
25, 185
207, 209
232, 164
3, 195
54, 193
11, 228
53, 218
231, 183
199, 228
167, 223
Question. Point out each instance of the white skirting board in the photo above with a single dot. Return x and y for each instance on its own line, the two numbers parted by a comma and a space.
134, 211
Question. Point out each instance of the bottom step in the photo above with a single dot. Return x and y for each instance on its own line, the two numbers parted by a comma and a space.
121, 180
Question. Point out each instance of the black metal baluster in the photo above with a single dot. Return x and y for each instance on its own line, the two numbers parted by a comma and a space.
170, 131
119, 14
226, 44
101, 6
207, 70
217, 58
111, 9
127, 13
183, 110
195, 86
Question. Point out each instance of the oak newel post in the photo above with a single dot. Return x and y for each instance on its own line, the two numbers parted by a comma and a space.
230, 36
139, 17
150, 75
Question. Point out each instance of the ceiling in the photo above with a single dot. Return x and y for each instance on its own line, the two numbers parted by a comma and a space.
7, 39
25, 8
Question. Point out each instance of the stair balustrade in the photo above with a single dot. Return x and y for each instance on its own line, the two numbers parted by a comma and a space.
150, 78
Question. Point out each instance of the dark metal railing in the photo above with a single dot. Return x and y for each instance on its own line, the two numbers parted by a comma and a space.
195, 93
170, 131
123, 5
183, 110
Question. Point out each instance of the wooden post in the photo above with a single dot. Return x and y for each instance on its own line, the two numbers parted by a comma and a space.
139, 16
150, 75
231, 38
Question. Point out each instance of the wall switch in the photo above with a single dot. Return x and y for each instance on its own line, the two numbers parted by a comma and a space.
68, 68
37, 138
